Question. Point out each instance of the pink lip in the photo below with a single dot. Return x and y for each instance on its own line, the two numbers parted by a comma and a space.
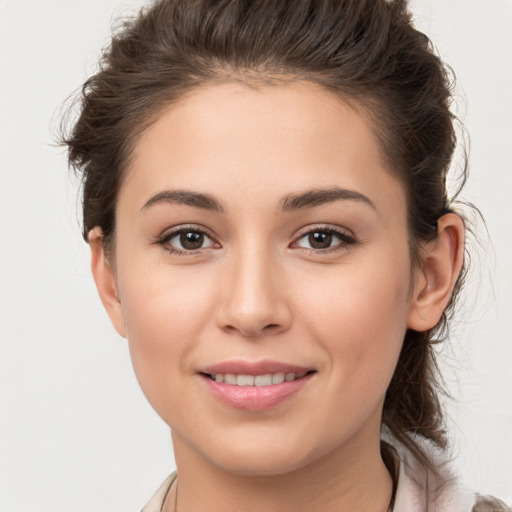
254, 398
253, 368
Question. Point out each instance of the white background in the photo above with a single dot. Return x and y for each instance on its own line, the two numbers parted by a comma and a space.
75, 431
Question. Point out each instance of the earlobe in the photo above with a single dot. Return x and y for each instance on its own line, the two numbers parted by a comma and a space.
105, 279
441, 263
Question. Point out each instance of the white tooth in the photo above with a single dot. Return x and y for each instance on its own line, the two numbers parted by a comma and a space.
245, 380
230, 378
289, 376
278, 378
263, 380
299, 375
219, 377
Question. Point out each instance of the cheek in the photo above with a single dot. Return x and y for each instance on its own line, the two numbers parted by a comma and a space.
165, 311
359, 314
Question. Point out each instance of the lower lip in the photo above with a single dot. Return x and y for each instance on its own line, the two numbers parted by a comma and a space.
255, 398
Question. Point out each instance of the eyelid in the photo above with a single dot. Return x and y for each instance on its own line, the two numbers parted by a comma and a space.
330, 228
169, 233
346, 236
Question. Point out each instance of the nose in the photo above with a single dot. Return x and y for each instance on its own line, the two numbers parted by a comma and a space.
254, 300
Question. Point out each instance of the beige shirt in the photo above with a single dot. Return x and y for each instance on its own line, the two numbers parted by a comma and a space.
416, 490
156, 502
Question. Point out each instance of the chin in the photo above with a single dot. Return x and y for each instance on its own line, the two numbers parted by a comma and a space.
262, 466
263, 456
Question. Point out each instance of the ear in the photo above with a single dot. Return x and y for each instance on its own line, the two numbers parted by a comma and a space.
441, 263
105, 279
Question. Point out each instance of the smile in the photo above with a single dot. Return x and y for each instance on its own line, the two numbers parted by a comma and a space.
256, 380
255, 386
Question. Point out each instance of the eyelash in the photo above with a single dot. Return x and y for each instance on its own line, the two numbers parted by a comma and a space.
346, 240
165, 239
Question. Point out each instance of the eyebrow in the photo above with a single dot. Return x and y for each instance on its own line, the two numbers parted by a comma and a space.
318, 197
290, 203
186, 197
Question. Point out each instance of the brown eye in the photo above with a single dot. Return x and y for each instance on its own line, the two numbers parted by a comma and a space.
187, 240
191, 240
320, 240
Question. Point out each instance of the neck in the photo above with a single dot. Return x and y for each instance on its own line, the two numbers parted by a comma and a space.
353, 478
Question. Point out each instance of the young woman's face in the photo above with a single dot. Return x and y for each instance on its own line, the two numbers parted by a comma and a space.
259, 238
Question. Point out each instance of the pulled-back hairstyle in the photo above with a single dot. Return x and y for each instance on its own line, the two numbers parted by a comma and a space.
366, 51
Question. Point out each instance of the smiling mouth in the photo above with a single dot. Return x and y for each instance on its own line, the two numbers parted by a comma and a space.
269, 379
255, 386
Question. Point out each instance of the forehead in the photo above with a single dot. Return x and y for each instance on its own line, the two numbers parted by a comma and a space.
259, 142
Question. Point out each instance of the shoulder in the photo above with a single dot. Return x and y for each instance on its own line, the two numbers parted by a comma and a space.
490, 504
418, 489
156, 502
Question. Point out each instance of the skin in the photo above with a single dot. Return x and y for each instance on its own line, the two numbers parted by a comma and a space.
257, 289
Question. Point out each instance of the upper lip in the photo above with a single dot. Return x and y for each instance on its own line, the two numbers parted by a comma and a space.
253, 368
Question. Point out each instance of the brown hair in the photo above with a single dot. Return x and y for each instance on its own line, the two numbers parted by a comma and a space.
367, 51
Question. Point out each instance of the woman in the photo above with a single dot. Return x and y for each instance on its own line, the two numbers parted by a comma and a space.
265, 200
